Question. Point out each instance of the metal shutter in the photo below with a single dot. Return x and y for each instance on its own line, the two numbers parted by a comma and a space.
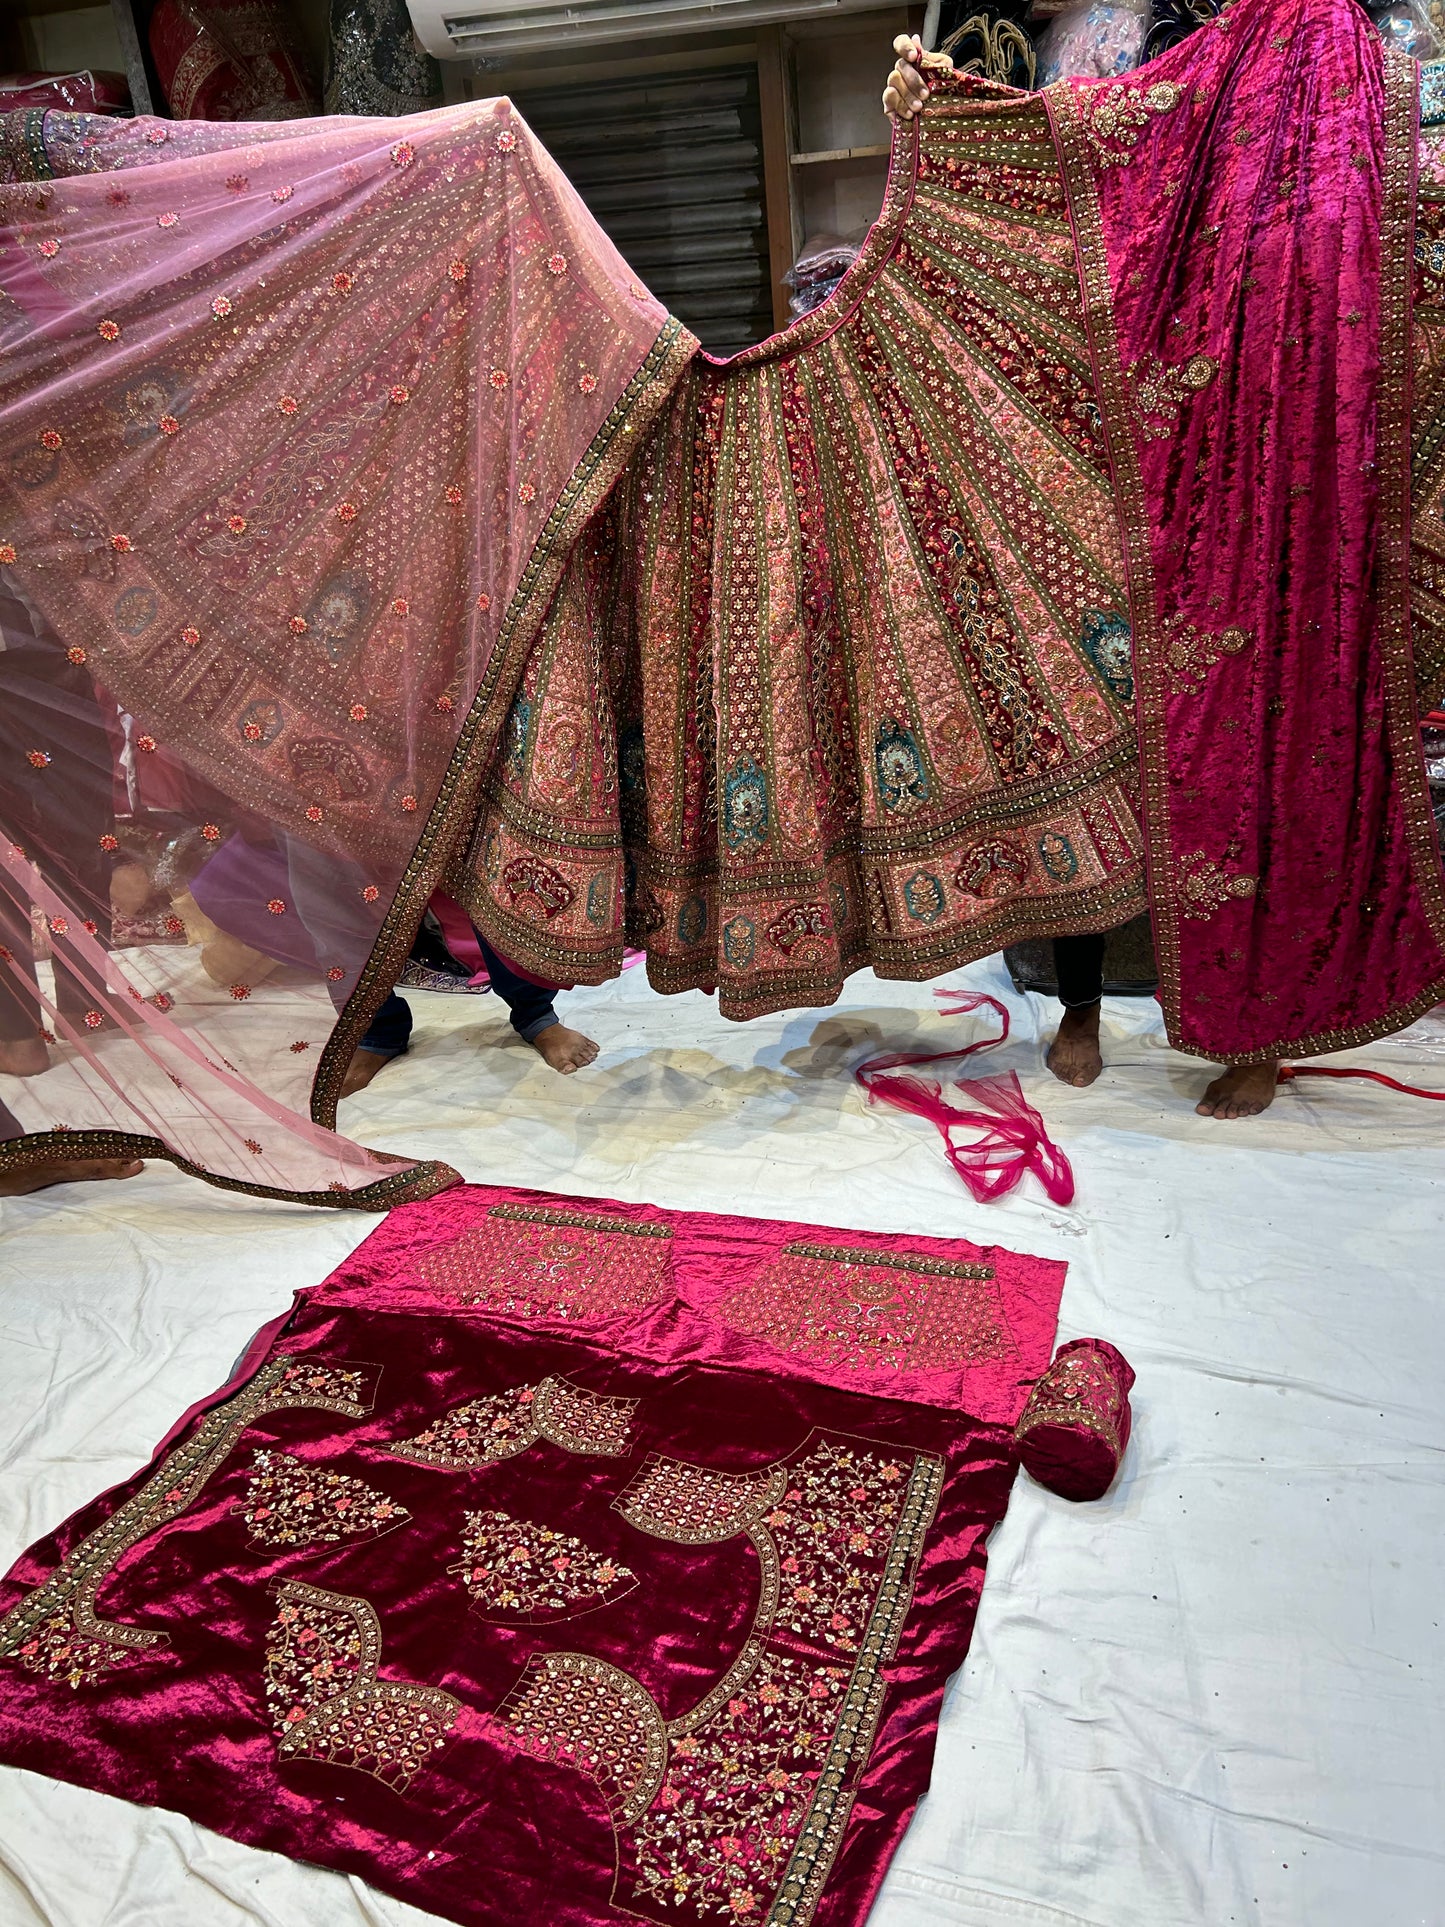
672, 167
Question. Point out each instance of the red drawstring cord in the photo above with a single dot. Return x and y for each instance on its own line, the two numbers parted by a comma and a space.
1289, 1071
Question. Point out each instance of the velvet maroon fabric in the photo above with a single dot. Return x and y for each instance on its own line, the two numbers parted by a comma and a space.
463, 1765
1244, 207
1075, 1428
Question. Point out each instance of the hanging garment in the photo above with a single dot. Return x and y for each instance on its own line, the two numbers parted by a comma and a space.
299, 425
374, 65
1017, 569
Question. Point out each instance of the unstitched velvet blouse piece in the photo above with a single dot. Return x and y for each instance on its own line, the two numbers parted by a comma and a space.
556, 1562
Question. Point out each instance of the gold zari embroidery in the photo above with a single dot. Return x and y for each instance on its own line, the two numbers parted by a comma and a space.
1189, 654
54, 1630
1119, 115
1205, 886
1160, 391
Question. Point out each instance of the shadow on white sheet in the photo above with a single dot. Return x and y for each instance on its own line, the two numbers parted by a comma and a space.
1216, 1697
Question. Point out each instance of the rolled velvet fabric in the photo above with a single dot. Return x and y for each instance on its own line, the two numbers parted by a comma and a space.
1073, 1431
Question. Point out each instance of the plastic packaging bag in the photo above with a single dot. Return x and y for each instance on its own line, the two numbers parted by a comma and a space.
1413, 26
1095, 40
821, 264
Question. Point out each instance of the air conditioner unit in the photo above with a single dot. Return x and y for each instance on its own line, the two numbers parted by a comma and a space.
457, 32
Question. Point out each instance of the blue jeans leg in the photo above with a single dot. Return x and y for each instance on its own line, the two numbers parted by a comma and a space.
530, 1004
390, 1032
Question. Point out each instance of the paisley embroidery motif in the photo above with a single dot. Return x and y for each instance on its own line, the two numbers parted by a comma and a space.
534, 1261
902, 779
54, 1630
1190, 655
485, 1431
1118, 115
291, 1503
325, 1699
1160, 392
518, 1571
1205, 886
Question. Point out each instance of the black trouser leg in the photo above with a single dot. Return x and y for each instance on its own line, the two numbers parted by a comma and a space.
1079, 968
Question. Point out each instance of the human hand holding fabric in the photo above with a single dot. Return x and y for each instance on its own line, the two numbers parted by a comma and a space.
907, 90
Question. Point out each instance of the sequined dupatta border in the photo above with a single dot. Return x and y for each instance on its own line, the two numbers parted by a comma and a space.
1067, 109
594, 475
633, 413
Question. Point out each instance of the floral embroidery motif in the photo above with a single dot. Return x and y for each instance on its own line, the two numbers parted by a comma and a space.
1079, 1388
54, 1629
291, 1503
735, 1809
737, 1791
873, 1310
534, 1261
1119, 115
1189, 656
1160, 391
326, 1701
578, 1710
1206, 887
485, 1431
521, 1571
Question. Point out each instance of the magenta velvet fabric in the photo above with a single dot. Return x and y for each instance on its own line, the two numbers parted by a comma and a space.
1075, 1428
1244, 211
556, 1562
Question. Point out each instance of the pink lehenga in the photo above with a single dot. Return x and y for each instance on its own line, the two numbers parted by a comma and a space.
1065, 548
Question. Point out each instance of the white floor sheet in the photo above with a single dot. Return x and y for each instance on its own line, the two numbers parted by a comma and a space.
1216, 1697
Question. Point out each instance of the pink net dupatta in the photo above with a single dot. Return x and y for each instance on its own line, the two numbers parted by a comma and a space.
1243, 211
297, 426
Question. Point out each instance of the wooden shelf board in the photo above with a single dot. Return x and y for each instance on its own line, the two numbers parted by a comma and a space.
841, 154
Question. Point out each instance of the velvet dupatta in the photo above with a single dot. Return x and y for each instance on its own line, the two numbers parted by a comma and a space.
1244, 210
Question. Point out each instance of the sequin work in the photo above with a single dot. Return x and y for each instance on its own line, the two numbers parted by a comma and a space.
534, 1261
326, 1700
55, 1630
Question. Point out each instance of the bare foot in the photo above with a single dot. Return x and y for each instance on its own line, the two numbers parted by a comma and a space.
38, 1177
1243, 1091
1074, 1056
23, 1057
565, 1050
363, 1067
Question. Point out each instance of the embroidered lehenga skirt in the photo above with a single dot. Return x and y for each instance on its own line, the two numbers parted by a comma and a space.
1059, 564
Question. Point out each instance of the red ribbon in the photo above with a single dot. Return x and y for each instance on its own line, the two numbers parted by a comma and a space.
1013, 1137
1288, 1071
